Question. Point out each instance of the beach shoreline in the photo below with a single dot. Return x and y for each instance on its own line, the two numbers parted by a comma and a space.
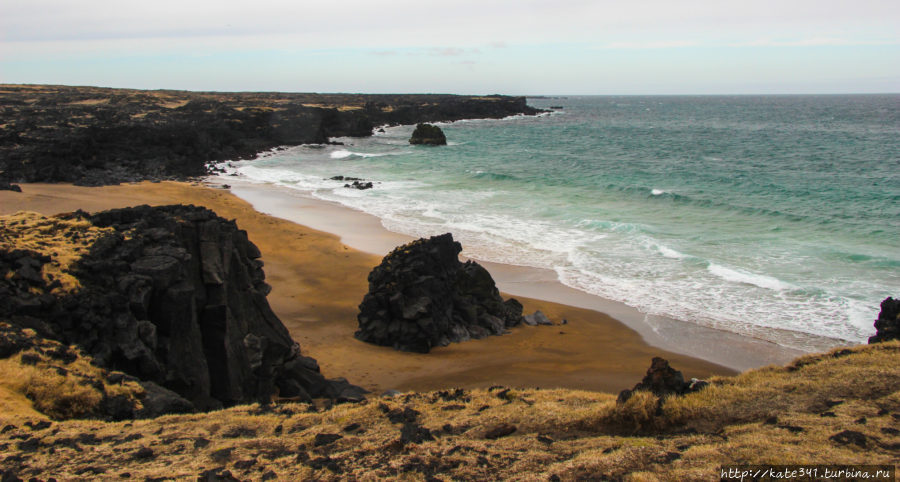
318, 281
366, 233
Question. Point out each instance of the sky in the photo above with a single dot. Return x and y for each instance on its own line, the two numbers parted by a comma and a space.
522, 47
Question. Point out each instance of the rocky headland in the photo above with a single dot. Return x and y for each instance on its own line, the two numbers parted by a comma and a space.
172, 297
95, 136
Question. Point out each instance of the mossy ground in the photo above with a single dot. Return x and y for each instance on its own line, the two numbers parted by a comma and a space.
782, 415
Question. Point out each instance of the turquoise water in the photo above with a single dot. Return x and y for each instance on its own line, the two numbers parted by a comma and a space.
741, 213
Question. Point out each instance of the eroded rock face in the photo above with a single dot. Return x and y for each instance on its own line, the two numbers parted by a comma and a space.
421, 296
173, 295
887, 326
427, 134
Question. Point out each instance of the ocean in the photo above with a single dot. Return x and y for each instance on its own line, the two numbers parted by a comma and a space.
759, 215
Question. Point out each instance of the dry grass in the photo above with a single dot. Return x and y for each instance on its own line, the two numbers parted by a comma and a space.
59, 381
772, 415
90, 102
174, 104
64, 240
339, 107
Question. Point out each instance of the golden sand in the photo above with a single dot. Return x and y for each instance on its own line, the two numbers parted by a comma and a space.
318, 283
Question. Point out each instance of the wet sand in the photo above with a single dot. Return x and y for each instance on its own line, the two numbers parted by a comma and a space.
318, 281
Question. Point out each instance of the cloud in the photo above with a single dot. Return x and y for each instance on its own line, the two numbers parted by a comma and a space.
450, 51
471, 23
814, 42
665, 44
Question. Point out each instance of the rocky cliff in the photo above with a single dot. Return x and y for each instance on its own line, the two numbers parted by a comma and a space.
421, 296
172, 295
93, 136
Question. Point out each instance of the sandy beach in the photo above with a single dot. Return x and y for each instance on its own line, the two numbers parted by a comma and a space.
318, 281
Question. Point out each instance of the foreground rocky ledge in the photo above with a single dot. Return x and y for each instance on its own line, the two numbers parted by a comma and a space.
840, 407
95, 136
174, 296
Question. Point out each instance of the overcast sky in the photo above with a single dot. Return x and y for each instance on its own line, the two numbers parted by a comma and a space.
463, 46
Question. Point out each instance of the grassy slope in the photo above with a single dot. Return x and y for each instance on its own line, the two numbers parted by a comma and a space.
771, 415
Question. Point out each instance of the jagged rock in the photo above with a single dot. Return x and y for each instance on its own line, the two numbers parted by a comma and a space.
174, 296
662, 380
359, 185
6, 186
421, 296
536, 318
160, 401
428, 134
887, 326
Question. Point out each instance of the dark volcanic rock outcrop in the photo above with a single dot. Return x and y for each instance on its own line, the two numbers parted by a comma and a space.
663, 380
173, 295
887, 326
429, 135
94, 136
6, 186
421, 296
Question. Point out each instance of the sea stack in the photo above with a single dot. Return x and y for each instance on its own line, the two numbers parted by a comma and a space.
429, 135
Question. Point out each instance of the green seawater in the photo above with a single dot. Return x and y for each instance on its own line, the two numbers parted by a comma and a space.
742, 213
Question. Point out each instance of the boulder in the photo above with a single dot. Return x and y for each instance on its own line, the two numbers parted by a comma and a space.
160, 401
887, 326
427, 134
421, 296
360, 185
536, 318
662, 380
6, 186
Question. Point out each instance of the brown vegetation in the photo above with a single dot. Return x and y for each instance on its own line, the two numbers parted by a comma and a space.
778, 415
64, 240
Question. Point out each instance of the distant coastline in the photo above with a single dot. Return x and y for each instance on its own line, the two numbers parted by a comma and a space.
97, 136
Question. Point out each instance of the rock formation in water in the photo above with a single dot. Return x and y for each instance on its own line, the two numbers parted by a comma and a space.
429, 135
887, 326
172, 295
421, 296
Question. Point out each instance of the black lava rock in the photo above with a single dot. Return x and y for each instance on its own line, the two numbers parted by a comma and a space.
887, 325
427, 134
6, 186
176, 297
51, 135
662, 380
421, 296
